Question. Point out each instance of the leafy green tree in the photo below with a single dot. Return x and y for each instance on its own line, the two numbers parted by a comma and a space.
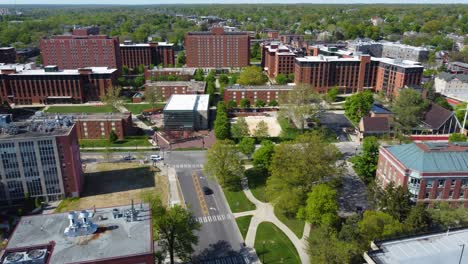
231, 104
181, 59
261, 130
262, 157
332, 94
395, 201
273, 103
365, 165
379, 225
223, 163
256, 51
247, 146
244, 103
223, 79
409, 108
125, 70
199, 75
152, 95
324, 247
358, 105
240, 129
252, 75
281, 79
297, 166
139, 81
113, 137
259, 103
418, 220
112, 97
222, 126
321, 206
446, 217
457, 137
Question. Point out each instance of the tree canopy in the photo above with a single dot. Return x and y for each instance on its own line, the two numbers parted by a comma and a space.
358, 105
321, 206
365, 164
252, 75
409, 108
223, 163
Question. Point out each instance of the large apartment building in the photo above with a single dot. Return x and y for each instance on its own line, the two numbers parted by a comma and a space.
432, 172
83, 48
155, 53
51, 85
277, 59
39, 159
166, 89
389, 50
217, 49
353, 74
265, 93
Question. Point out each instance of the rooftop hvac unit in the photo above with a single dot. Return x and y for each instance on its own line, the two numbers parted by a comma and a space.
34, 256
14, 257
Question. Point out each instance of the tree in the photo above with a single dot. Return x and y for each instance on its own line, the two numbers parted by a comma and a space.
113, 137
457, 137
261, 130
324, 247
365, 165
181, 59
231, 104
262, 157
273, 103
223, 79
223, 163
252, 75
139, 81
358, 105
281, 79
395, 201
460, 110
247, 146
299, 104
210, 77
244, 103
378, 225
418, 220
152, 95
259, 103
409, 108
176, 227
199, 75
240, 129
321, 206
222, 126
332, 94
297, 166
112, 97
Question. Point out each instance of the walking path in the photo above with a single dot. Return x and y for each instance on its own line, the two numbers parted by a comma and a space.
265, 213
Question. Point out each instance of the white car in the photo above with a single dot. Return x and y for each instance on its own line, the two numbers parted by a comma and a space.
155, 158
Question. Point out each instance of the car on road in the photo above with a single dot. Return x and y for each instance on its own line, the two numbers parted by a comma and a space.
128, 157
207, 190
155, 158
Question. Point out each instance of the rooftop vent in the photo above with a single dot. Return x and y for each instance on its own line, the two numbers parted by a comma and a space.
80, 228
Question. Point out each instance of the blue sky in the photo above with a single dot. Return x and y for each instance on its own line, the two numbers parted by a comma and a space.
133, 2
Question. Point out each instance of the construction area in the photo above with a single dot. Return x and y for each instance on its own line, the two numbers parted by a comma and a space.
274, 129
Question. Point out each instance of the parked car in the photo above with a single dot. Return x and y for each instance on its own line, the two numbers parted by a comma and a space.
155, 158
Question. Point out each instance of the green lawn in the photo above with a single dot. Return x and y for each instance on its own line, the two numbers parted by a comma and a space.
296, 225
243, 224
273, 246
136, 109
80, 109
257, 180
127, 142
238, 201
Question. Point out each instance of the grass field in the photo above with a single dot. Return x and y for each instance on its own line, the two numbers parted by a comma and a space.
257, 180
296, 225
136, 141
243, 224
136, 109
80, 109
273, 246
238, 201
115, 184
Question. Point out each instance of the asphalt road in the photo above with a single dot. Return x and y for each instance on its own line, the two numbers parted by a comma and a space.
219, 238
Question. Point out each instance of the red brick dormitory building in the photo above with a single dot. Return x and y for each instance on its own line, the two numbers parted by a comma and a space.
84, 48
51, 85
155, 53
217, 49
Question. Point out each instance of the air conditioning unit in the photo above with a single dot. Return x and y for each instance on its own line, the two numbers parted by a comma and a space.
34, 256
14, 257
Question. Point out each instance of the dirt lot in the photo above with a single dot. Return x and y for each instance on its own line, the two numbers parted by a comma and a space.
113, 184
274, 129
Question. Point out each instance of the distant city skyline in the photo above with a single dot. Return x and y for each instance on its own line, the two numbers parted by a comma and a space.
152, 2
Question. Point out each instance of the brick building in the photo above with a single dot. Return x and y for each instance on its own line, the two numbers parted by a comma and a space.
113, 235
253, 93
432, 172
39, 159
356, 73
7, 55
167, 89
84, 48
166, 74
217, 49
99, 125
277, 58
50, 85
136, 54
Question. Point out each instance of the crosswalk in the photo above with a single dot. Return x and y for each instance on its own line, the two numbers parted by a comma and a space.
236, 259
188, 165
214, 218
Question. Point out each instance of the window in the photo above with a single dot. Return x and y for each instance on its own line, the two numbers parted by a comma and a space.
452, 183
451, 195
429, 183
465, 183
428, 194
441, 183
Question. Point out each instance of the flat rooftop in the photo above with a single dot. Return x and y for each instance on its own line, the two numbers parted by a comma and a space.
188, 102
188, 71
95, 70
429, 249
396, 62
25, 130
89, 116
259, 87
114, 238
194, 86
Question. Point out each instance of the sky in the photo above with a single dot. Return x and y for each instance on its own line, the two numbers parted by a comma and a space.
155, 2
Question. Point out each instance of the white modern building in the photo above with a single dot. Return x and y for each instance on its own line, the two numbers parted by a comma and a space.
452, 85
187, 112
